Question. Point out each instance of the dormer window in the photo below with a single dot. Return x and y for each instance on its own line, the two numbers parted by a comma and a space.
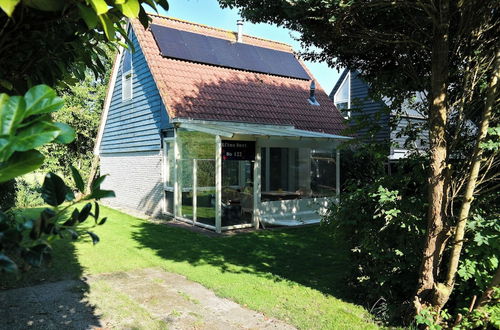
342, 97
127, 74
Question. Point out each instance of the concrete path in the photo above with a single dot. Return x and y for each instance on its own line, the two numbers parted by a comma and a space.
144, 299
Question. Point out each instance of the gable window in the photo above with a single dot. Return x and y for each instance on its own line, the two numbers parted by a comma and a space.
127, 74
342, 97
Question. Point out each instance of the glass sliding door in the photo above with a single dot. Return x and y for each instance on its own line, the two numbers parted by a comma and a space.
237, 192
196, 176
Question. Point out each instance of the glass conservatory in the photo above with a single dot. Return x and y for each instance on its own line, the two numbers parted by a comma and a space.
223, 176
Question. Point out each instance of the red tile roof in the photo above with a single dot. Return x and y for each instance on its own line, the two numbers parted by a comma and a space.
208, 92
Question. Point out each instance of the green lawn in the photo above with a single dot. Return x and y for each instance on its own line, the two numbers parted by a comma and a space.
293, 274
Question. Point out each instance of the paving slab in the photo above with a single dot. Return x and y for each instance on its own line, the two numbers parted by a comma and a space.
138, 299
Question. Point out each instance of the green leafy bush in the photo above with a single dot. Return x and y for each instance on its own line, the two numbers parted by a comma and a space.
383, 223
28, 193
26, 241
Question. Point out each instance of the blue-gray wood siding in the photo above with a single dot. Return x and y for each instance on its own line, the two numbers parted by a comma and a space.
363, 106
134, 125
398, 139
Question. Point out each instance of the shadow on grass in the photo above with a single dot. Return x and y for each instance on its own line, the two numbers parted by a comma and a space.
50, 296
303, 255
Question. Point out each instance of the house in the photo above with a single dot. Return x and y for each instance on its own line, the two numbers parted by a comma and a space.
351, 96
218, 129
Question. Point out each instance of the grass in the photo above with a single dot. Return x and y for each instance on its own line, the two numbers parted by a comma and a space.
292, 274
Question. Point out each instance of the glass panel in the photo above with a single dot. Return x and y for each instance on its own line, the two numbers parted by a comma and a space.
342, 94
205, 192
185, 172
341, 105
323, 173
197, 149
296, 173
169, 200
169, 159
237, 192
287, 174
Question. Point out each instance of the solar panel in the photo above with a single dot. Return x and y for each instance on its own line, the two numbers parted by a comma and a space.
199, 48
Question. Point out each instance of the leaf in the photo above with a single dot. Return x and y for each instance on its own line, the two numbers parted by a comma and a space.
45, 5
35, 255
8, 6
144, 18
73, 219
130, 8
80, 185
88, 15
6, 264
96, 183
108, 27
54, 190
95, 238
163, 4
103, 220
96, 210
102, 194
42, 99
35, 135
67, 133
84, 213
11, 113
100, 6
20, 163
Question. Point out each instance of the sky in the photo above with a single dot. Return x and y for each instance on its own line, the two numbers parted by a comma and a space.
209, 13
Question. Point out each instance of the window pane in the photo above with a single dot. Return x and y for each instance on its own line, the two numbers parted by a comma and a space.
127, 61
323, 173
205, 192
342, 94
170, 161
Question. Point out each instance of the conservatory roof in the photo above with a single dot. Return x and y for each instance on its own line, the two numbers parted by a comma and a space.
230, 129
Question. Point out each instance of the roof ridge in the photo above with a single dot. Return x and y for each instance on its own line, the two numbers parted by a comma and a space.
217, 29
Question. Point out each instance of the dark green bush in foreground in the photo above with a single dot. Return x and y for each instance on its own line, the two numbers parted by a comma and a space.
383, 221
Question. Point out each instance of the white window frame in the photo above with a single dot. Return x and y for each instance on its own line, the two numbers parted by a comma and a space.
336, 100
128, 77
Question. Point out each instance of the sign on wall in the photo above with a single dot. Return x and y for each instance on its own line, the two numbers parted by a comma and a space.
238, 150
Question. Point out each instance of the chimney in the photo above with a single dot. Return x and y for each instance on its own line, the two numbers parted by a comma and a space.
312, 96
240, 30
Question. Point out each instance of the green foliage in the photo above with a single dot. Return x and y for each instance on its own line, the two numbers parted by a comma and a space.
427, 319
493, 141
55, 41
486, 317
382, 221
27, 241
83, 104
481, 250
25, 124
7, 194
28, 193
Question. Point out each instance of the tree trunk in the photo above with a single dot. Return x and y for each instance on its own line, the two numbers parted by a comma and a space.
93, 173
438, 113
472, 180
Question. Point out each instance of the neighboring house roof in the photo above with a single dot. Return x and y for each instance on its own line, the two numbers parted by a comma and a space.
200, 91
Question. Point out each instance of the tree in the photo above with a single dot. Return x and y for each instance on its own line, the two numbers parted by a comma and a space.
55, 41
443, 48
84, 102
51, 42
